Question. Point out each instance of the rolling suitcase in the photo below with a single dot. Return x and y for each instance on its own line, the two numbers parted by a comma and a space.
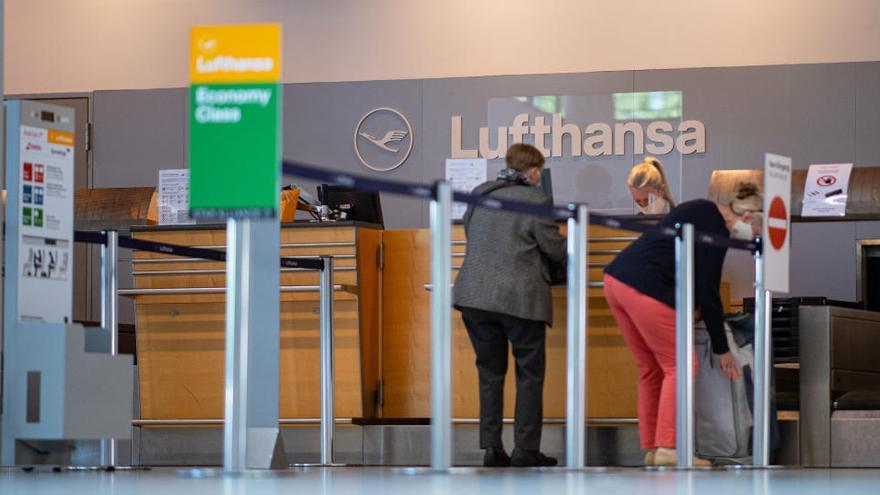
722, 417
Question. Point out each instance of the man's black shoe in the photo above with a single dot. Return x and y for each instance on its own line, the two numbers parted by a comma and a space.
496, 457
531, 458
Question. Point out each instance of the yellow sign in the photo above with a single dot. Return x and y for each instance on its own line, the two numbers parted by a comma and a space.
248, 53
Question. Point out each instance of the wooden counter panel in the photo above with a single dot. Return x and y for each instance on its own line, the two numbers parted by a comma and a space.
297, 278
181, 359
406, 323
349, 294
217, 237
192, 238
179, 264
318, 234
612, 376
369, 280
406, 346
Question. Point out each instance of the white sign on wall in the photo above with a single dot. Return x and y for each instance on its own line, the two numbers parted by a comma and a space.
45, 240
826, 190
777, 221
174, 197
463, 175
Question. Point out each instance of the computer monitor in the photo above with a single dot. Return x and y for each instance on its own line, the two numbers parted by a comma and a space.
547, 183
363, 206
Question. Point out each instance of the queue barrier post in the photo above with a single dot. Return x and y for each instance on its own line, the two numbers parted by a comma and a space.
763, 362
441, 327
328, 418
110, 318
684, 346
575, 429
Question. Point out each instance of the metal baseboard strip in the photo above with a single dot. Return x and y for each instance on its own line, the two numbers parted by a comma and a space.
175, 444
315, 421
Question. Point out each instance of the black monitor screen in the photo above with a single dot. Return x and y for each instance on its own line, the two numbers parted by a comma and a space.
547, 183
363, 206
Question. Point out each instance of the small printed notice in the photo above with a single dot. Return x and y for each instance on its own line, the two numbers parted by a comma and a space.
826, 190
463, 175
173, 197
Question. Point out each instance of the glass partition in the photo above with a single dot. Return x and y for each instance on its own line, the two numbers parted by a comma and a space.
592, 141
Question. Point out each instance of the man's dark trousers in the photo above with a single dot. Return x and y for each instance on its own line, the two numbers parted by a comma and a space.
489, 333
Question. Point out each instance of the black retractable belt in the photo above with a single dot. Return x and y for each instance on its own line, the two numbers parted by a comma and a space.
186, 251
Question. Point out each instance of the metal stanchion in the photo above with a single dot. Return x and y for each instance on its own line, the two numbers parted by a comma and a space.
575, 438
441, 328
763, 334
328, 417
110, 319
235, 405
684, 346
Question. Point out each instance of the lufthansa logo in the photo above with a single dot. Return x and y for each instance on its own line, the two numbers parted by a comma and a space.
383, 139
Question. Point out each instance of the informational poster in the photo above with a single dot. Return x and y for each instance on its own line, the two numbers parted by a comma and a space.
777, 221
45, 224
174, 197
826, 190
463, 175
235, 121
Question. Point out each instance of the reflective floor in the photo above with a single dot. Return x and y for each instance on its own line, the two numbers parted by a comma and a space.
351, 481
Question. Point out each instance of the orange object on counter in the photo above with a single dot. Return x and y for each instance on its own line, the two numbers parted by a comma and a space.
289, 199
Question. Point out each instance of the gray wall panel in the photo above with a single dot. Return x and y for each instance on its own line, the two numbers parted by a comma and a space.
815, 113
137, 133
823, 260
868, 114
821, 113
867, 230
319, 125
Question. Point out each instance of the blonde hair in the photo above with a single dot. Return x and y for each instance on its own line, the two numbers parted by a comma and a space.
650, 173
747, 198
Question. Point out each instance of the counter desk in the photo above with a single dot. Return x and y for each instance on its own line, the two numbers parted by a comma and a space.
180, 323
382, 329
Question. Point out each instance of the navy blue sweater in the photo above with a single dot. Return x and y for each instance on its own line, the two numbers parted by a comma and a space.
648, 265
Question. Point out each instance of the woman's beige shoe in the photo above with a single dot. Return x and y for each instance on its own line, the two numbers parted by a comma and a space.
666, 457
649, 457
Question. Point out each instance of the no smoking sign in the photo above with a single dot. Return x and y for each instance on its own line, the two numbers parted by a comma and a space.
826, 180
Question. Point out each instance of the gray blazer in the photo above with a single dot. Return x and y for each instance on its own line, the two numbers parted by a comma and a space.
507, 265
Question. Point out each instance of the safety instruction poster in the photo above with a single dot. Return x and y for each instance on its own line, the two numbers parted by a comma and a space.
826, 190
45, 225
174, 197
463, 175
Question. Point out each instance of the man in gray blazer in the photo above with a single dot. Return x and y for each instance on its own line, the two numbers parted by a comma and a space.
503, 292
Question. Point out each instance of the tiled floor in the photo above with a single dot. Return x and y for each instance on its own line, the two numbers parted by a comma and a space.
351, 481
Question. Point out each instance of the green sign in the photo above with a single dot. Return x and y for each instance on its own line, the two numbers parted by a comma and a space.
234, 121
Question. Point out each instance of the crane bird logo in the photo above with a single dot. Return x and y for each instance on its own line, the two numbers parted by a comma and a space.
390, 137
397, 142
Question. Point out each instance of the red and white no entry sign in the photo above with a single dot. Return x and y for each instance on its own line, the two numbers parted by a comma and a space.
777, 223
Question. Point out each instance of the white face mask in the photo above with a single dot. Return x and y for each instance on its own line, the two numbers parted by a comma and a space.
741, 231
656, 206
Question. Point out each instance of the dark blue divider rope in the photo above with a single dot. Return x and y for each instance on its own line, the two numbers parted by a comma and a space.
90, 237
548, 211
187, 251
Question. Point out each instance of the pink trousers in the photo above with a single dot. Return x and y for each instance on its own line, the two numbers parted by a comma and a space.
648, 326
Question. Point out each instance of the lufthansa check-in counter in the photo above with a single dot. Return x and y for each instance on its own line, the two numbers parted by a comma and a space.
382, 333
